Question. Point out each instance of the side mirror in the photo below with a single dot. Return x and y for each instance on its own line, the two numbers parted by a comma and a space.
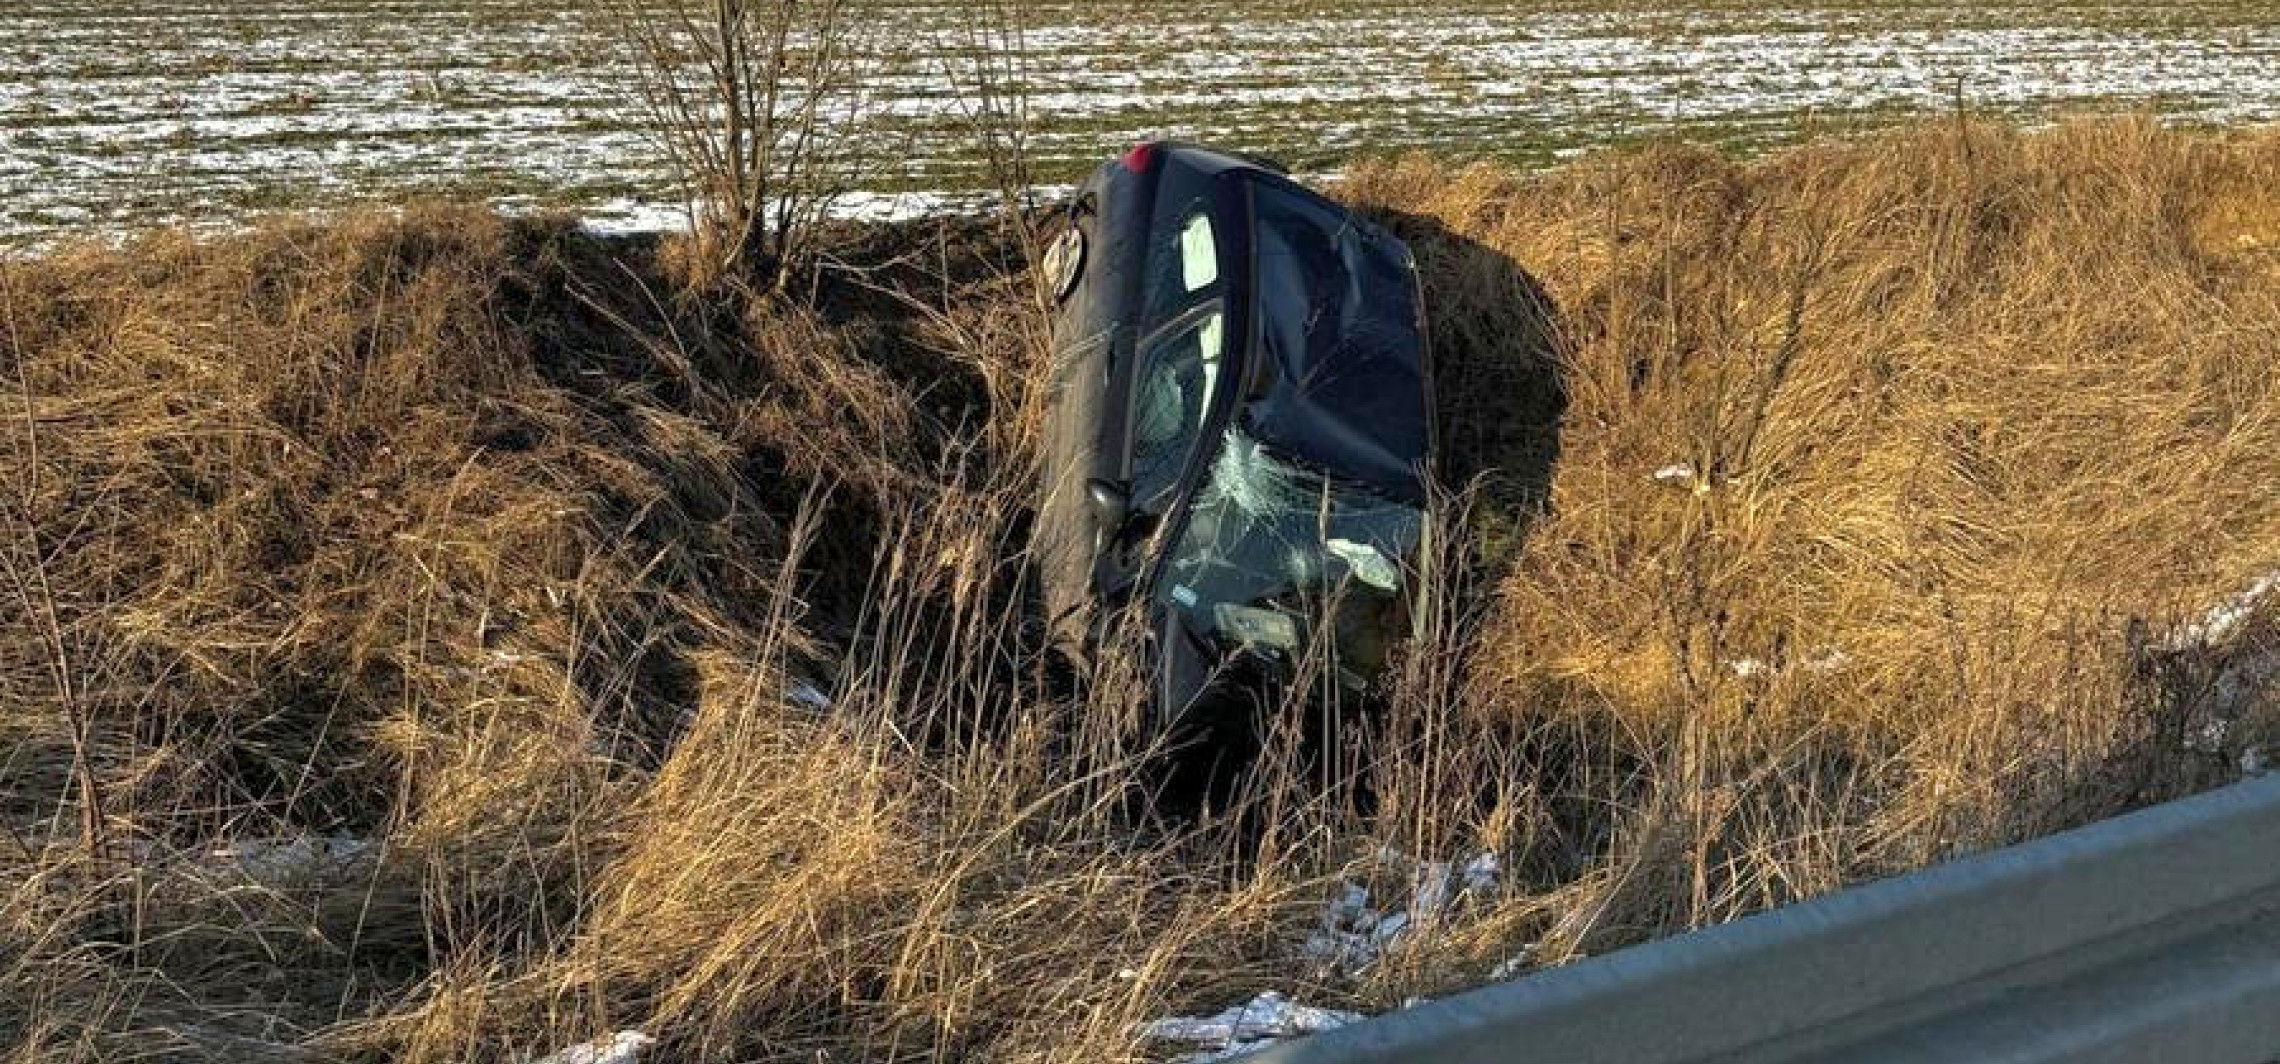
1111, 508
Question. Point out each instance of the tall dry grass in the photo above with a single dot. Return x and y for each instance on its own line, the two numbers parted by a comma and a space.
406, 617
1952, 428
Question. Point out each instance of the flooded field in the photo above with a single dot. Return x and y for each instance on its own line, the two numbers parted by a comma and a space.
115, 115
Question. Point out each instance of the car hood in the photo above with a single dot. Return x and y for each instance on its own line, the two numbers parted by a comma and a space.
1339, 380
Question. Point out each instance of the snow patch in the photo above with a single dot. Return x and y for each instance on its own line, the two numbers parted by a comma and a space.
1243, 1029
1353, 934
1683, 475
632, 217
2229, 678
623, 1047
1822, 661
806, 696
1515, 964
2208, 737
285, 862
2224, 619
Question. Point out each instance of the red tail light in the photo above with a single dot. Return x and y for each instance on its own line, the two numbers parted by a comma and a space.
1141, 157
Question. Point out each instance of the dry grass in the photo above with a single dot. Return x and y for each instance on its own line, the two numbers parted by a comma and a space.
446, 534
1961, 413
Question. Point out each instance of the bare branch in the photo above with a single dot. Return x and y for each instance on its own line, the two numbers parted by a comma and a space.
757, 105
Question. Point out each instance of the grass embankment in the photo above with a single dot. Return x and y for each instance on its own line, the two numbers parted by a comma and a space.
1842, 511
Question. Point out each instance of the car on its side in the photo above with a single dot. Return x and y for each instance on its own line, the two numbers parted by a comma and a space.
1239, 433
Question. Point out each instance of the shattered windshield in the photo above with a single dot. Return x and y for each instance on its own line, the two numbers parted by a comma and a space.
1269, 543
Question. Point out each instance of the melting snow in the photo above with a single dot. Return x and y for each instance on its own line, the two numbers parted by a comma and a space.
624, 1047
1246, 1028
2224, 619
1353, 934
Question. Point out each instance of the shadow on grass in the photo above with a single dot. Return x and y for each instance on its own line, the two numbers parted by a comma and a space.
1497, 382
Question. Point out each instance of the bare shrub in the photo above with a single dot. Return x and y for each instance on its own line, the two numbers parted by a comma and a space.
988, 65
759, 106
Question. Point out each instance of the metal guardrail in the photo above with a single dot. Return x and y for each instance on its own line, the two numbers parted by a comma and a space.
2153, 937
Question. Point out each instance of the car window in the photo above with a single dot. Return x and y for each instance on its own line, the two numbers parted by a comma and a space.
1183, 261
1335, 319
1199, 254
1178, 372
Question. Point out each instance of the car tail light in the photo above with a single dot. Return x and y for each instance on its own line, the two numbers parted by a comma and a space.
1141, 157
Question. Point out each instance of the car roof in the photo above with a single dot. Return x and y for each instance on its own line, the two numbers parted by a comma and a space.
1215, 160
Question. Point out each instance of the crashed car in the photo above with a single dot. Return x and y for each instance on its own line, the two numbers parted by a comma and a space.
1238, 434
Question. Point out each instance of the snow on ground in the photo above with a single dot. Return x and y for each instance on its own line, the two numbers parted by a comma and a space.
1821, 660
625, 216
1675, 473
623, 1047
1352, 935
807, 696
2234, 675
114, 115
1240, 1030
1357, 928
2222, 621
281, 863
297, 859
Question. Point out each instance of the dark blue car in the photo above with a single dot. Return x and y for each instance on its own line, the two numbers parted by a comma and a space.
1239, 434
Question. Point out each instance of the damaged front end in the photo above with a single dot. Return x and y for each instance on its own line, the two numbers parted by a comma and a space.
1240, 428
